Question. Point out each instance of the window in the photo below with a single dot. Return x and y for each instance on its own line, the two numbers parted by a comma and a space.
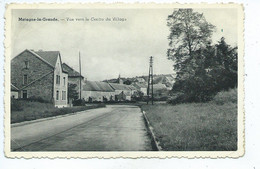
63, 95
26, 64
64, 81
57, 95
25, 79
57, 79
25, 94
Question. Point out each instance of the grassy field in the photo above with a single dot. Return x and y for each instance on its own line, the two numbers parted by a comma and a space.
196, 126
36, 110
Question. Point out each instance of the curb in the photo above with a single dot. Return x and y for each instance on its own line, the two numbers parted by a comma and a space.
150, 128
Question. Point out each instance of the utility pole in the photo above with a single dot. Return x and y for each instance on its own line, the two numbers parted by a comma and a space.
80, 76
150, 81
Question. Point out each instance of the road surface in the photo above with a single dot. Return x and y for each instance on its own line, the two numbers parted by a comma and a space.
114, 128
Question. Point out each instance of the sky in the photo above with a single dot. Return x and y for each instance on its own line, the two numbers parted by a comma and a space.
108, 49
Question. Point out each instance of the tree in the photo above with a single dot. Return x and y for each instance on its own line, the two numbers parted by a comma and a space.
217, 71
128, 82
189, 31
72, 92
224, 69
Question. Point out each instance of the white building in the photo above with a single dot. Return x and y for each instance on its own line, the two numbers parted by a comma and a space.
97, 91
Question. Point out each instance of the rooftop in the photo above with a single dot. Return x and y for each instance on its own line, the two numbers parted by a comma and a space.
71, 72
97, 86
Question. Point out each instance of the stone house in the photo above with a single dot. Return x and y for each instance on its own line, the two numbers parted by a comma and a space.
39, 74
74, 77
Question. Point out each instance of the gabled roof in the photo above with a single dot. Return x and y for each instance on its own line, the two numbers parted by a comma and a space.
132, 87
97, 86
50, 56
14, 88
117, 86
71, 72
140, 85
159, 86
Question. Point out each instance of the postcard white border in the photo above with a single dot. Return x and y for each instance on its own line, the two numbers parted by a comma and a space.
126, 154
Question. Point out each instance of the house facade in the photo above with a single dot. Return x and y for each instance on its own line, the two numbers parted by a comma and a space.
39, 74
74, 77
14, 92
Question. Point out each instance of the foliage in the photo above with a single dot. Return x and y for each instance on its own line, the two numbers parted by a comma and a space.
72, 92
78, 102
189, 31
137, 95
36, 110
16, 105
37, 99
128, 82
225, 97
202, 69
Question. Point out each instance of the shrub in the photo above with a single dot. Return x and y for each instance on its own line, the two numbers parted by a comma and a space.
162, 98
37, 99
226, 96
79, 102
16, 105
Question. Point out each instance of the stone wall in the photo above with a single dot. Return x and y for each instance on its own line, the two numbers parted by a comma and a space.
42, 88
36, 69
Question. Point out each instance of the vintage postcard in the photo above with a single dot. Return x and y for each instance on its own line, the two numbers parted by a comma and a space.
124, 80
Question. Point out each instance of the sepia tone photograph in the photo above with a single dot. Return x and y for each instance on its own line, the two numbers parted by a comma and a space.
125, 78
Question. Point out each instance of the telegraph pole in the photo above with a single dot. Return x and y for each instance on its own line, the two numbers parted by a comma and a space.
80, 76
150, 81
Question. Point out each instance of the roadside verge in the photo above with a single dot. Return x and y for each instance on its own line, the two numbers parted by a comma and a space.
156, 144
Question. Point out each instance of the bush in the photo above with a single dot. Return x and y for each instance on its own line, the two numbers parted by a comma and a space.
226, 96
79, 102
162, 98
177, 99
16, 105
37, 99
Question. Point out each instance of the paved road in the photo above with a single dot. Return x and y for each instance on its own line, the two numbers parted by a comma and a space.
114, 128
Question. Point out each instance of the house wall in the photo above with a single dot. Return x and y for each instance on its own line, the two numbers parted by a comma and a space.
61, 87
126, 92
97, 95
108, 95
37, 68
14, 94
41, 88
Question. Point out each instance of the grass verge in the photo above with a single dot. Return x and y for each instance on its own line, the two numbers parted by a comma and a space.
208, 126
36, 110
